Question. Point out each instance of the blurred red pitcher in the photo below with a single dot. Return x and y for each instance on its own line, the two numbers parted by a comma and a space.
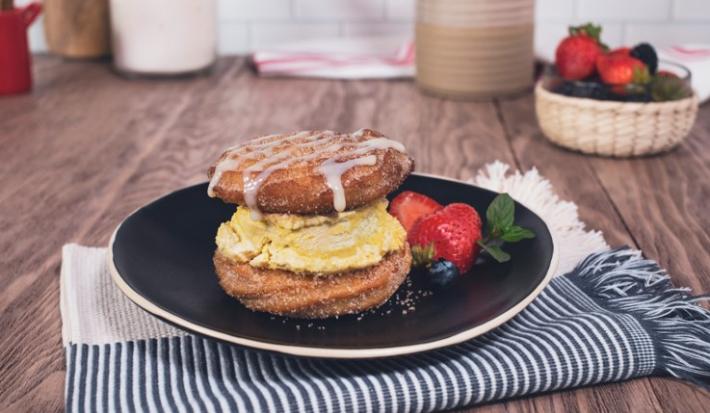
15, 70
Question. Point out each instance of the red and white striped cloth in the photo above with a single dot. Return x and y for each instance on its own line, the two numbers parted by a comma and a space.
363, 58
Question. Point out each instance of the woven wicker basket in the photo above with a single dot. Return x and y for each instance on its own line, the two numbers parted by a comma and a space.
609, 128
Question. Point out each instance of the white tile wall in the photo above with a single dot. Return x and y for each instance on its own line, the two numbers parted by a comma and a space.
691, 33
248, 24
399, 10
233, 37
254, 10
339, 10
264, 35
546, 10
692, 10
624, 10
374, 29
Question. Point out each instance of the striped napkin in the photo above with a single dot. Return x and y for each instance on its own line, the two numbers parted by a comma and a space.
612, 316
372, 57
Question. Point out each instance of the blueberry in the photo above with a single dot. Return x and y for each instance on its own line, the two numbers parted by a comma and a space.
441, 273
583, 89
601, 93
564, 88
647, 54
638, 97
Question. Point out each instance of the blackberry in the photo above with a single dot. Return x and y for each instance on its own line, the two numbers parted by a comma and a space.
647, 54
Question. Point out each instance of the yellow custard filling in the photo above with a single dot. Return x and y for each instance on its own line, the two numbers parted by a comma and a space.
323, 244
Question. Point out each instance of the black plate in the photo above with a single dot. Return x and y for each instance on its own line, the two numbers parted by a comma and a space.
162, 260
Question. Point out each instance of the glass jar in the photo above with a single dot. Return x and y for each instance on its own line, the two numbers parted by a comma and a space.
163, 37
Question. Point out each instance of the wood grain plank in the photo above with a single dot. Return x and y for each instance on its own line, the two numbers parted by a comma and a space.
131, 118
31, 350
663, 200
68, 145
569, 172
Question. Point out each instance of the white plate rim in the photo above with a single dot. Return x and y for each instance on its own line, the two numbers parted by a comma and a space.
325, 352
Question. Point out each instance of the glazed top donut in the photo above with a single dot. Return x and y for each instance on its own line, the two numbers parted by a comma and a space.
309, 172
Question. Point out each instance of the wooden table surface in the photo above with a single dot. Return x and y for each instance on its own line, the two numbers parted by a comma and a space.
87, 147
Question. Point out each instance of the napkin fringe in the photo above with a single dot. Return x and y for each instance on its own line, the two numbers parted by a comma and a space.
536, 192
623, 280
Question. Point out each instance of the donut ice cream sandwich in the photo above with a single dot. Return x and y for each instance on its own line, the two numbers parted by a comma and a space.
311, 236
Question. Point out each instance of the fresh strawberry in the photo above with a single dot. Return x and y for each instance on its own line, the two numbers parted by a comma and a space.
620, 69
409, 206
576, 54
450, 233
621, 51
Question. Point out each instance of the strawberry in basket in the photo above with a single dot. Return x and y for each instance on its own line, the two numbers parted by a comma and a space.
576, 55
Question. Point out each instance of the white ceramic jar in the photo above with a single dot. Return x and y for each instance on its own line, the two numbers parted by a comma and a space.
163, 37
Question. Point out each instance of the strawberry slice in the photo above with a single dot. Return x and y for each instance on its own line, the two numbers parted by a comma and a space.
409, 206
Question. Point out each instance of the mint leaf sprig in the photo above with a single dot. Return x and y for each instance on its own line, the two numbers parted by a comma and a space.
501, 228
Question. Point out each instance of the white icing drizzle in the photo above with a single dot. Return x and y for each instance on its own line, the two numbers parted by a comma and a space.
333, 170
257, 147
268, 162
333, 173
278, 161
358, 133
376, 143
222, 166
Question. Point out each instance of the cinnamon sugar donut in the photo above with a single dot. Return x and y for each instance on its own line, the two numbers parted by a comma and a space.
310, 172
313, 296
